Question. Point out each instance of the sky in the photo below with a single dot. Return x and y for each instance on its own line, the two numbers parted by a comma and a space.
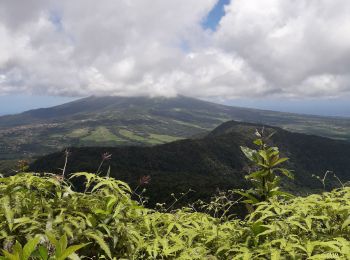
274, 54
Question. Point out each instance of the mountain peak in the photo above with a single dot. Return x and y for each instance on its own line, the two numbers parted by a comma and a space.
116, 120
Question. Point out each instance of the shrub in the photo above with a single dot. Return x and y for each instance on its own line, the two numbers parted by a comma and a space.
44, 214
266, 170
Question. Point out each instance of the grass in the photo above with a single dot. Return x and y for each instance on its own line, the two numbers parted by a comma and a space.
102, 134
132, 136
165, 138
189, 124
80, 132
151, 139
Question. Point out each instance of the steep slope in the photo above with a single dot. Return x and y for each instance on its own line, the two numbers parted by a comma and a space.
209, 163
113, 121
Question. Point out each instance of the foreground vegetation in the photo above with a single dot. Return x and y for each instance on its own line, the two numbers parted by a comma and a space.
53, 222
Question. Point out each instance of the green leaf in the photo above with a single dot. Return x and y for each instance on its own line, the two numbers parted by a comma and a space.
264, 155
9, 256
308, 221
74, 256
346, 223
52, 238
43, 252
18, 250
275, 254
100, 241
9, 214
281, 193
257, 174
61, 245
30, 247
258, 142
247, 195
279, 161
249, 153
70, 250
286, 172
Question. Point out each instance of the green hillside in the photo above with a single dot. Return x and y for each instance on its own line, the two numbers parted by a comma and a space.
114, 121
209, 163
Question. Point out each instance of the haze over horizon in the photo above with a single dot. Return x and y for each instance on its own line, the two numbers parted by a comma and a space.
21, 103
273, 54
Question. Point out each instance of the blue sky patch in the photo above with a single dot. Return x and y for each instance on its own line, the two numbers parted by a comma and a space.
213, 18
56, 19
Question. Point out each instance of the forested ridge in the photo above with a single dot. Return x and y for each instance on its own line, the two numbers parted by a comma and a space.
206, 164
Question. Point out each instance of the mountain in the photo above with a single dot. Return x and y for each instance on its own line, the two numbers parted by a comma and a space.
209, 163
114, 121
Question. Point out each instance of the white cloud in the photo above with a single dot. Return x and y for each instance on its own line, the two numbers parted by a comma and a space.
261, 48
299, 47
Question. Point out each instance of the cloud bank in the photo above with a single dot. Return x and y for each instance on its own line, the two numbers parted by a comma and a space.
260, 48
